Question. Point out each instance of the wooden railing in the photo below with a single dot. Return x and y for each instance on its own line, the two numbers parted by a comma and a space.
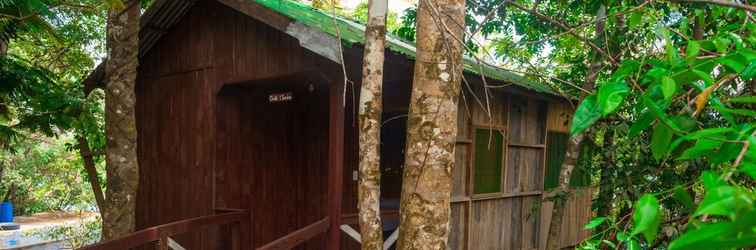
298, 237
161, 234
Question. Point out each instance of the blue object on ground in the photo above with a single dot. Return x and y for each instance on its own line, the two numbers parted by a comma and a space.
6, 212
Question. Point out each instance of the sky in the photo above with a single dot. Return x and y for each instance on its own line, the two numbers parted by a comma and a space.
396, 6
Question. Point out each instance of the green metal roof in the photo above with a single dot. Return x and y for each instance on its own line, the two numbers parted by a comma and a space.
352, 32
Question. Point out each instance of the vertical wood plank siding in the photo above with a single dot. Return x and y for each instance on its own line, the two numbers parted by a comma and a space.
177, 95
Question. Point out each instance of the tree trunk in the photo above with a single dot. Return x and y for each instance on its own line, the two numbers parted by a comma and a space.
122, 166
89, 165
371, 108
3, 47
432, 126
562, 192
606, 183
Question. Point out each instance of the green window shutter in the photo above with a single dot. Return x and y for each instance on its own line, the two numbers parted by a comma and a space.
556, 148
488, 161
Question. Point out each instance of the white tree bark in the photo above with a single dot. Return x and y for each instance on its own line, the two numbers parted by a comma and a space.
370, 110
432, 126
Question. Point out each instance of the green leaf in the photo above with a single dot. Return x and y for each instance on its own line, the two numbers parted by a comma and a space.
749, 72
749, 168
611, 95
693, 49
595, 222
668, 86
660, 141
734, 62
742, 99
628, 67
621, 236
647, 217
721, 44
712, 180
706, 77
743, 112
641, 124
658, 112
653, 75
684, 122
635, 19
694, 238
703, 147
722, 200
586, 114
684, 198
699, 134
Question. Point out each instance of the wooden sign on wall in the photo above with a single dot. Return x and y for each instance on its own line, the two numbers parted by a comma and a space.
281, 97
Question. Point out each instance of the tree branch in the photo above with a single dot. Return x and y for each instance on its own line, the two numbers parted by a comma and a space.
567, 28
733, 4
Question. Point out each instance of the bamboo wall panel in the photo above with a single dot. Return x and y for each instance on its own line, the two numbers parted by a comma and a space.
459, 172
488, 221
524, 170
458, 224
559, 117
577, 214
463, 118
495, 102
527, 121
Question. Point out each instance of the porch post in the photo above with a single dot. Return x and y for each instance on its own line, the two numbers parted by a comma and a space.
335, 163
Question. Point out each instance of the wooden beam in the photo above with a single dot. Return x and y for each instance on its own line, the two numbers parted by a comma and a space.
335, 162
259, 12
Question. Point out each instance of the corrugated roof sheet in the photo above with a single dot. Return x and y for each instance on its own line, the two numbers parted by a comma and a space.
352, 32
164, 14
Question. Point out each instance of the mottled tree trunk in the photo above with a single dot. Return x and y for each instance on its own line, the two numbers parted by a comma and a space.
371, 108
432, 126
562, 192
89, 165
122, 167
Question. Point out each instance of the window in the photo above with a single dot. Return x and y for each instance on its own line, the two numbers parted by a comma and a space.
555, 150
488, 161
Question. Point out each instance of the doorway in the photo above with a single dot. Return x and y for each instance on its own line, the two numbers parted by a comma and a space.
271, 155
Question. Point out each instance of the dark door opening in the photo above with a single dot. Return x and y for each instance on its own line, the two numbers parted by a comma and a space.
271, 155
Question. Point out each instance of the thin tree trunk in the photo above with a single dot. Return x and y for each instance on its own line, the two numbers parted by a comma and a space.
122, 166
3, 47
432, 126
562, 192
371, 108
89, 165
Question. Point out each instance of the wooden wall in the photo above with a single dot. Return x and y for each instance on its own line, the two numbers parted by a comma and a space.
516, 217
507, 219
177, 88
578, 209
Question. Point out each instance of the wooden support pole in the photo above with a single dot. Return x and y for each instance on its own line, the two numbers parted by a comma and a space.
335, 162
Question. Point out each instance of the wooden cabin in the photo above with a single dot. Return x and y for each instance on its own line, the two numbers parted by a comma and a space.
242, 104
